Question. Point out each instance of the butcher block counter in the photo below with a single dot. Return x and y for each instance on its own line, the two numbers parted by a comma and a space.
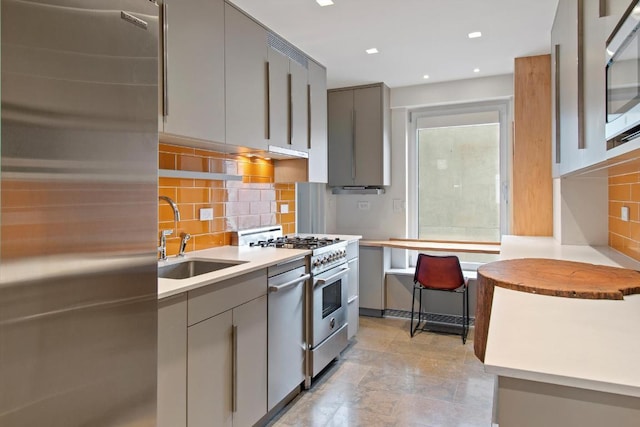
560, 335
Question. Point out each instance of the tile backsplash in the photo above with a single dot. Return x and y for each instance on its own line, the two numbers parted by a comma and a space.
624, 190
253, 202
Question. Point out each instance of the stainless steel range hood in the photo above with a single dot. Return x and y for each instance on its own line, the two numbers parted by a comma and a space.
358, 189
277, 152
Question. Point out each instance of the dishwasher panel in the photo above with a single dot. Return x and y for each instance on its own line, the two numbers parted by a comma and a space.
286, 348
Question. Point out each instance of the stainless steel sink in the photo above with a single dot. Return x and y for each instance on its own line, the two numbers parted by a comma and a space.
193, 267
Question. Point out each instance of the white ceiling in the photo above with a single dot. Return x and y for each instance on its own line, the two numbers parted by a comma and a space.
414, 37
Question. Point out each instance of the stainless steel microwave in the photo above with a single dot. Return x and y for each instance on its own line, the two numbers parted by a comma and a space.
623, 79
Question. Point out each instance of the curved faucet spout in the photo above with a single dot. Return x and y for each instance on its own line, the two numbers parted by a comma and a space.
176, 212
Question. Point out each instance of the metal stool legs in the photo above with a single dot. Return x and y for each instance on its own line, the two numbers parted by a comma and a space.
413, 303
465, 311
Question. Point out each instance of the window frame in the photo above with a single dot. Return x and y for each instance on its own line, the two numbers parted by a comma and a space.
503, 107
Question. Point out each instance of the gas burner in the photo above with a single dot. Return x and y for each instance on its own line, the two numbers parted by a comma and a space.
308, 242
265, 243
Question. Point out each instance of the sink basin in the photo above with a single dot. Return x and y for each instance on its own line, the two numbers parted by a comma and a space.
193, 267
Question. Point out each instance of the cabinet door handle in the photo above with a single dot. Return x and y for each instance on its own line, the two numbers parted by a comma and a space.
309, 116
165, 59
289, 284
267, 74
234, 359
290, 110
353, 145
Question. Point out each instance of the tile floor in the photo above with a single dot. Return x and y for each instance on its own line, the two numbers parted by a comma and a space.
385, 378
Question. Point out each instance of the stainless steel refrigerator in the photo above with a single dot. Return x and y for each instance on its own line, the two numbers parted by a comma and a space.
78, 217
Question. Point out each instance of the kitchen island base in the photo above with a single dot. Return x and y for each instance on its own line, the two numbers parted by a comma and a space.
524, 403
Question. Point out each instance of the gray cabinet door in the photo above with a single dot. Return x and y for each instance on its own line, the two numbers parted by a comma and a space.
246, 80
278, 98
318, 156
209, 377
341, 143
250, 322
195, 88
299, 119
353, 300
172, 361
368, 124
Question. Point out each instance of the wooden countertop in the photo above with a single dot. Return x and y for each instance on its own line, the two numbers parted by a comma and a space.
576, 342
551, 277
438, 246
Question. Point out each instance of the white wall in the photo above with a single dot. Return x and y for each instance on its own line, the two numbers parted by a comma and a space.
380, 221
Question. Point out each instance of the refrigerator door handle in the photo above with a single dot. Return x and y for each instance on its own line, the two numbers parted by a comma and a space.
165, 61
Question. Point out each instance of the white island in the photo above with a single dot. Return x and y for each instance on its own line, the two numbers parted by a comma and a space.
564, 361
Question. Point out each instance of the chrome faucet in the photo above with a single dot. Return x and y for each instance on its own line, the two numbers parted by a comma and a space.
164, 233
176, 212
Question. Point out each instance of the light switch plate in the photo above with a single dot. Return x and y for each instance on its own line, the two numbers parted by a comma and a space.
364, 205
284, 208
624, 213
206, 214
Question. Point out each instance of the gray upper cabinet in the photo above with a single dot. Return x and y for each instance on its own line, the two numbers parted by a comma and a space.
299, 122
287, 96
278, 98
359, 136
193, 69
317, 82
246, 69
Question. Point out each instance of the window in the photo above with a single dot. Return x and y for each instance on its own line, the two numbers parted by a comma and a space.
458, 174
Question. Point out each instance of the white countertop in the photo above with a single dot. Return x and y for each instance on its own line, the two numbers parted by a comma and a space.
584, 343
252, 258
547, 247
590, 344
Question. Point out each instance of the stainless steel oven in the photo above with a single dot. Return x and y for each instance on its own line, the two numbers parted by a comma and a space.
327, 302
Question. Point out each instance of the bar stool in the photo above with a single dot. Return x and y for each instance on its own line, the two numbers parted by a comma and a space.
440, 273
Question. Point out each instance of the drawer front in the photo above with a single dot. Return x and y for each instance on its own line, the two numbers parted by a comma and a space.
214, 299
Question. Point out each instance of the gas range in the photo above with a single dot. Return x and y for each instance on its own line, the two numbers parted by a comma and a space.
325, 293
327, 252
296, 242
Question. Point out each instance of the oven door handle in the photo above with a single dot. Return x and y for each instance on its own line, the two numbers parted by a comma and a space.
333, 276
287, 285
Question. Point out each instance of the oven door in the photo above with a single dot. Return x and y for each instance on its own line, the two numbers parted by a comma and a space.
329, 302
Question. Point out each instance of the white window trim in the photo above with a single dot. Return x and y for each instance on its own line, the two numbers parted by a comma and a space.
504, 108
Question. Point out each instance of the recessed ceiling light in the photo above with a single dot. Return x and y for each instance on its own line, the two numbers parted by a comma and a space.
324, 2
372, 51
426, 76
475, 35
476, 70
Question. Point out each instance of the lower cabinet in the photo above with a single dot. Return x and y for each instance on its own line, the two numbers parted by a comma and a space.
172, 361
212, 354
374, 261
353, 300
227, 367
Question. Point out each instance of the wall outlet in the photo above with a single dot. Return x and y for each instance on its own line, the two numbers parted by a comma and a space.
364, 205
206, 214
624, 213
284, 208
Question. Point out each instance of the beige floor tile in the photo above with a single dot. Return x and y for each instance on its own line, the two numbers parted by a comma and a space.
385, 378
